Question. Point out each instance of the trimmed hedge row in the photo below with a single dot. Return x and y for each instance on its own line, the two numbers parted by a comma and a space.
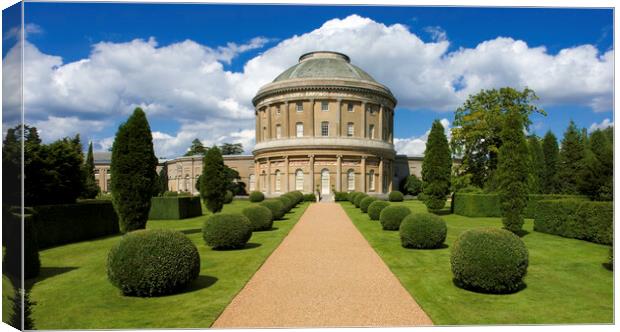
577, 219
175, 207
69, 223
11, 223
340, 196
488, 205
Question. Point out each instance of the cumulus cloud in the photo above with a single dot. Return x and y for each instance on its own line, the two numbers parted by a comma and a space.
415, 146
187, 82
602, 125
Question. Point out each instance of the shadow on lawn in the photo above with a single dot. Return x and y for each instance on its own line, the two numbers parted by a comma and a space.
442, 246
191, 231
47, 272
268, 230
250, 245
458, 284
201, 282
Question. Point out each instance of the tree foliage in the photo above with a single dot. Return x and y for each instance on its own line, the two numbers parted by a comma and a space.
551, 153
596, 178
231, 148
411, 185
436, 168
512, 172
11, 167
478, 123
91, 189
196, 149
213, 183
571, 163
133, 172
537, 165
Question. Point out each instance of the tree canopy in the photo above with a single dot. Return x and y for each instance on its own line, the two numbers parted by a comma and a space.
213, 182
196, 149
231, 148
436, 168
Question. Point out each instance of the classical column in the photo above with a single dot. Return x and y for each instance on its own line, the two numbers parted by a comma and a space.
286, 120
381, 122
338, 120
363, 175
339, 173
269, 128
311, 166
257, 134
286, 174
363, 121
381, 175
256, 175
312, 120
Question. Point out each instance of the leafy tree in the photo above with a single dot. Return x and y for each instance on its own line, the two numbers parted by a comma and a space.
133, 171
551, 154
213, 182
228, 148
478, 123
512, 172
196, 148
411, 185
11, 167
91, 189
436, 168
572, 154
537, 165
596, 179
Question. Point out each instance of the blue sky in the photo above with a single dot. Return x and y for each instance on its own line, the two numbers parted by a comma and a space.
70, 31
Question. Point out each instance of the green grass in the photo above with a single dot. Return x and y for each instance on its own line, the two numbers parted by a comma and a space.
7, 298
73, 291
566, 282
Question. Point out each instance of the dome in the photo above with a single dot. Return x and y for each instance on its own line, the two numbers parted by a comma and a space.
324, 64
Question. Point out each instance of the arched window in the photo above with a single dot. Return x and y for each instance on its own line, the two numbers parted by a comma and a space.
351, 180
299, 180
278, 181
325, 183
371, 180
252, 182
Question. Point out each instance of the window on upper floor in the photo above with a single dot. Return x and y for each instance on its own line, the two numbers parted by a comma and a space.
299, 107
350, 107
278, 131
350, 129
324, 128
324, 106
300, 129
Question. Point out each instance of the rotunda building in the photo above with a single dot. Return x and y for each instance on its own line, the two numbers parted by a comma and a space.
324, 125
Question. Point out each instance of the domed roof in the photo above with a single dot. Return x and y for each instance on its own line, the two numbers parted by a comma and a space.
324, 64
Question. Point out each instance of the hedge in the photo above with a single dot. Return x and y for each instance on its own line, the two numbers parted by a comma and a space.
577, 219
358, 199
69, 223
309, 198
175, 207
487, 205
340, 196
12, 231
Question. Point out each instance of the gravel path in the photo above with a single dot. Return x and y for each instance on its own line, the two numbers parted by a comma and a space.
324, 274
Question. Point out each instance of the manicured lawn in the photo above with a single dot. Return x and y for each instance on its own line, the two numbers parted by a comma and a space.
7, 298
566, 282
73, 291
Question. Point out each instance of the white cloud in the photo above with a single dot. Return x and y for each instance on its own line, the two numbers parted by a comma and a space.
29, 30
54, 128
604, 124
415, 146
186, 82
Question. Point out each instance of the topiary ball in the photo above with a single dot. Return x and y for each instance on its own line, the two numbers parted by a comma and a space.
489, 260
352, 196
293, 198
226, 231
395, 196
228, 197
309, 198
286, 202
153, 262
276, 207
392, 216
261, 218
358, 199
375, 208
365, 203
257, 196
422, 231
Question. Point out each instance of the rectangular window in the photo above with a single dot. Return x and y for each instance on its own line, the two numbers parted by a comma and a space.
300, 129
279, 110
278, 131
299, 107
371, 131
350, 107
324, 106
350, 129
324, 128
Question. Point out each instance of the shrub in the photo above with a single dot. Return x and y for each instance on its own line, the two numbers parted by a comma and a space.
287, 203
226, 231
575, 218
276, 207
256, 196
341, 196
69, 223
309, 198
170, 194
228, 197
358, 199
436, 168
375, 208
487, 205
391, 217
261, 218
412, 185
352, 195
300, 196
175, 207
395, 196
153, 262
365, 203
422, 231
489, 260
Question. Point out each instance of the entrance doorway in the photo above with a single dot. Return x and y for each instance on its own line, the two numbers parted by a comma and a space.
325, 190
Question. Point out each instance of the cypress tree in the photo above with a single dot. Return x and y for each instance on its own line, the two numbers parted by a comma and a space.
512, 172
572, 154
91, 189
596, 178
212, 180
537, 165
436, 168
133, 171
550, 172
